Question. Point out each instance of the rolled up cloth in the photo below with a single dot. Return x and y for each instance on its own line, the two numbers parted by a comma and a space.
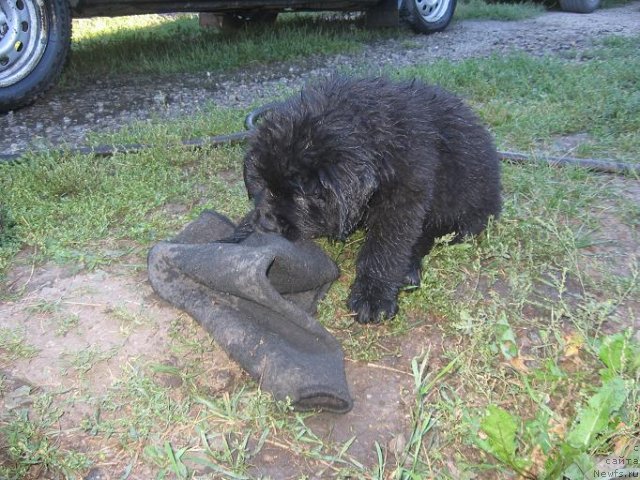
257, 299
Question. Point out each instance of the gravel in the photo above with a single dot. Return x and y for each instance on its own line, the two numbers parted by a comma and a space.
67, 115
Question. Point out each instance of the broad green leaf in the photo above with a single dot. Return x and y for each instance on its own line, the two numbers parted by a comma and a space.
618, 352
581, 468
538, 431
594, 417
500, 428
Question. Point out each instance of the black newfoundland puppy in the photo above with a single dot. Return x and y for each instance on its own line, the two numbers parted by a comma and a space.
406, 161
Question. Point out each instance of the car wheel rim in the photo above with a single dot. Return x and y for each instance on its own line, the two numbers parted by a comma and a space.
23, 38
431, 10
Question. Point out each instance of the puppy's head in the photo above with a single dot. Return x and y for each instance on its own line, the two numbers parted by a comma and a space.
305, 175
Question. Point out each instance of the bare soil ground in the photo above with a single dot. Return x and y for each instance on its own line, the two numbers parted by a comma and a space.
89, 328
120, 322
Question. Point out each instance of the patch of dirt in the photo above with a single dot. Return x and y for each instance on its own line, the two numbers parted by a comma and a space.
120, 320
87, 328
68, 114
383, 394
112, 314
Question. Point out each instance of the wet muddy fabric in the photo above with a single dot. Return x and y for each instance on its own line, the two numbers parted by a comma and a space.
257, 299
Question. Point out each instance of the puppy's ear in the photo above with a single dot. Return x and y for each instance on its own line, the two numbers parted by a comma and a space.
348, 183
343, 176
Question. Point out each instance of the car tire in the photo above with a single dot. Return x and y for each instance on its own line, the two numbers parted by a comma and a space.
35, 37
579, 6
428, 16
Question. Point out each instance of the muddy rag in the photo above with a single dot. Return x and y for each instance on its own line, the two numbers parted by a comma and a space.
257, 299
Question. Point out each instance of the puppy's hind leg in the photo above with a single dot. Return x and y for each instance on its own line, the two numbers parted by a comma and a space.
430, 232
420, 249
426, 242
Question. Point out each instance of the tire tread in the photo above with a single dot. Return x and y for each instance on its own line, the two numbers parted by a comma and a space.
410, 13
28, 90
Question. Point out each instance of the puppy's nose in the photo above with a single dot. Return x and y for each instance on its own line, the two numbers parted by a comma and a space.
266, 222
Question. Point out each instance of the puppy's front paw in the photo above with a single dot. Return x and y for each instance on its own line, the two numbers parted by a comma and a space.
372, 300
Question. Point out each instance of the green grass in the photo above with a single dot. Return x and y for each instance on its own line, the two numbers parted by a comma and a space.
122, 197
66, 324
30, 447
85, 359
529, 102
165, 45
14, 345
529, 365
480, 10
157, 44
526, 278
129, 321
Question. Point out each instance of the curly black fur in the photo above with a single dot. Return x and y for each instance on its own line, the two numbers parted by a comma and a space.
407, 161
